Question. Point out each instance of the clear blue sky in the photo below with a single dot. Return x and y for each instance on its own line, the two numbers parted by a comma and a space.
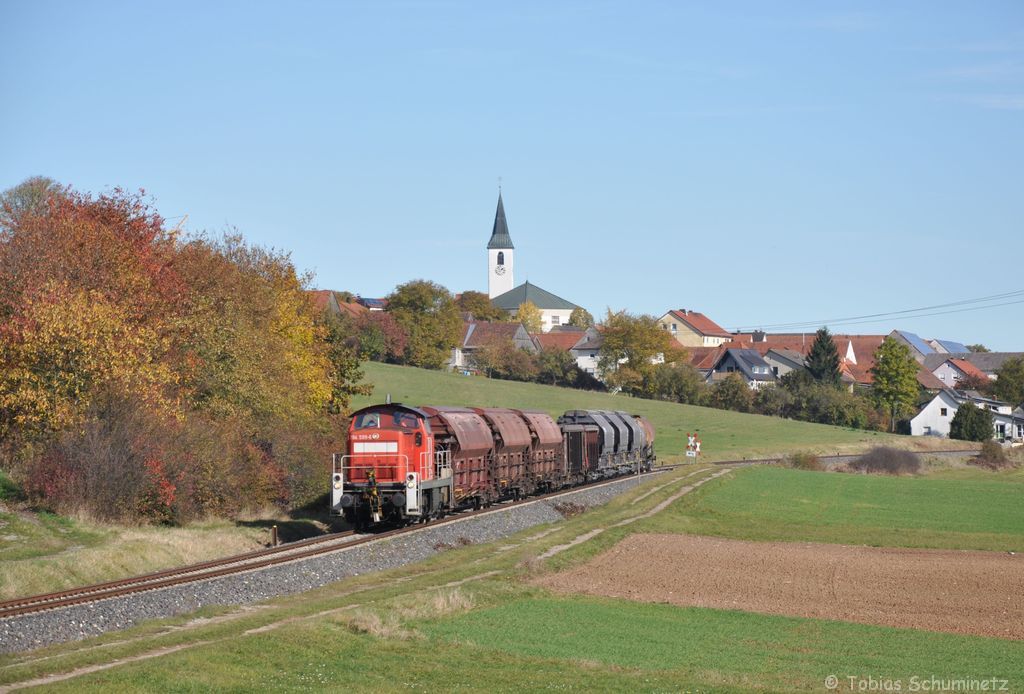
761, 162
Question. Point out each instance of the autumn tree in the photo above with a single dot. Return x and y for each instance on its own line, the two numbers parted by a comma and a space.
430, 318
143, 374
530, 316
374, 335
895, 379
1009, 383
30, 197
581, 318
479, 305
631, 344
823, 358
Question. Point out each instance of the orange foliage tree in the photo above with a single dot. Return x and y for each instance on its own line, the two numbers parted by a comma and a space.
144, 374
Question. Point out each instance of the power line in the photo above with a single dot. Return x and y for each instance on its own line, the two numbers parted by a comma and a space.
907, 313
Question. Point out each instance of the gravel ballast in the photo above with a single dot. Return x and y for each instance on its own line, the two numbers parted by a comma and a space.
81, 621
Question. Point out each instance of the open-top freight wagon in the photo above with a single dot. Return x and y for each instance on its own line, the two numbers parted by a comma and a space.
405, 464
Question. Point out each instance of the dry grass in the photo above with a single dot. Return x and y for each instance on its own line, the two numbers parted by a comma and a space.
390, 622
802, 460
568, 509
127, 552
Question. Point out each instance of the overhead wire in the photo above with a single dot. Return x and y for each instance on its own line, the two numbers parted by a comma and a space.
919, 312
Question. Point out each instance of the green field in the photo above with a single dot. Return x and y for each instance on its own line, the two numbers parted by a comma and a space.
469, 619
981, 510
725, 435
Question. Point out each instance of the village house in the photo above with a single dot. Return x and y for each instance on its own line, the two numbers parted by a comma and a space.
480, 334
693, 329
953, 370
935, 417
747, 363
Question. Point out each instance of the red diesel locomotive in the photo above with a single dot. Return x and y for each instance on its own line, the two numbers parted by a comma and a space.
405, 464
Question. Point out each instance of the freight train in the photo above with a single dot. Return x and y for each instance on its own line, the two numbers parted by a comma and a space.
406, 464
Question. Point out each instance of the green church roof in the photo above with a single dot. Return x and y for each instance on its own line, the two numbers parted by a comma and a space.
541, 298
499, 235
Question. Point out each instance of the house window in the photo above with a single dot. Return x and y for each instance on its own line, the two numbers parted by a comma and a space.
556, 320
673, 327
501, 258
942, 377
927, 430
775, 370
943, 412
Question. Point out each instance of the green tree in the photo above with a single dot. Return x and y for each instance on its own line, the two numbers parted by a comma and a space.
581, 318
978, 348
344, 359
530, 316
675, 383
430, 318
971, 423
556, 367
1009, 383
478, 304
895, 374
732, 393
823, 358
630, 347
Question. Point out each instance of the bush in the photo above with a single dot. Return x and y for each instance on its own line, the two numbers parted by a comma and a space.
804, 461
992, 456
888, 461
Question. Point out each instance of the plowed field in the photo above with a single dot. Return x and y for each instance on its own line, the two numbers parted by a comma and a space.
964, 592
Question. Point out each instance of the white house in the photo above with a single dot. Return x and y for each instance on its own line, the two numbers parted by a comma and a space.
586, 351
935, 417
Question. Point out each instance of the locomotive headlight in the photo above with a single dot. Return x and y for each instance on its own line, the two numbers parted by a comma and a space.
337, 485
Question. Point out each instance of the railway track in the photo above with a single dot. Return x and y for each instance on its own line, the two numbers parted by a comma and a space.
834, 458
250, 561
292, 551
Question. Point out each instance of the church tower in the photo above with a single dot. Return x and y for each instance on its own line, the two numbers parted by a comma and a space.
499, 255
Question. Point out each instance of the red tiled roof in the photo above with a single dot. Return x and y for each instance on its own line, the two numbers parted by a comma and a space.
929, 380
484, 333
864, 347
558, 340
969, 369
321, 297
353, 309
704, 357
701, 323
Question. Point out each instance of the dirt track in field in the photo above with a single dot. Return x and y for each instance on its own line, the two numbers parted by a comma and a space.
980, 593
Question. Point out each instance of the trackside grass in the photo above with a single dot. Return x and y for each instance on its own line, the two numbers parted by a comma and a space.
468, 619
726, 435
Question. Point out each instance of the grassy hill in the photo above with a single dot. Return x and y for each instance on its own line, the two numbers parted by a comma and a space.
725, 435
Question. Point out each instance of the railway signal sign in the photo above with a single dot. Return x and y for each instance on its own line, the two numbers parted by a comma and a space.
692, 446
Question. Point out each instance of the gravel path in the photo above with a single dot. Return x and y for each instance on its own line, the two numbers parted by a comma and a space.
81, 621
963, 592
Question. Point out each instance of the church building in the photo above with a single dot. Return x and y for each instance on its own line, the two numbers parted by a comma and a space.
501, 287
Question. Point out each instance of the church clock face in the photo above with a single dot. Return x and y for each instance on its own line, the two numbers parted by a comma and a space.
499, 270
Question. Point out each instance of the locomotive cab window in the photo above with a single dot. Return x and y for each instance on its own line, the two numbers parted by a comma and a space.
387, 420
370, 420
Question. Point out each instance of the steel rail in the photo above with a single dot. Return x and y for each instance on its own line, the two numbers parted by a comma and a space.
258, 559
